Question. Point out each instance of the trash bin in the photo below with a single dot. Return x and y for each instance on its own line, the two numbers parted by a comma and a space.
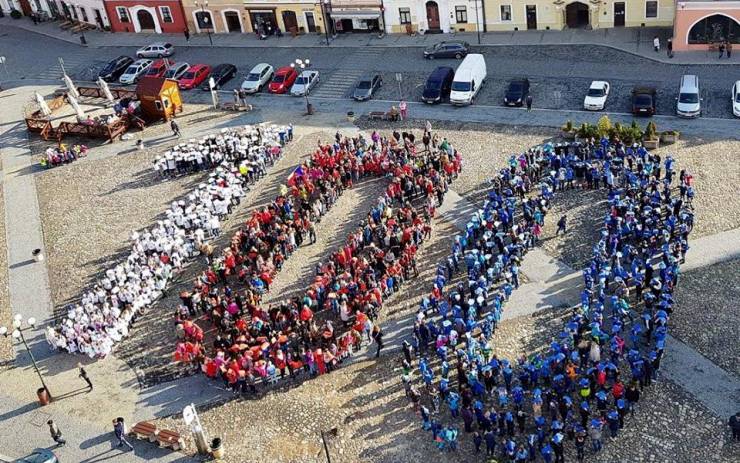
216, 449
43, 396
38, 256
351, 116
309, 109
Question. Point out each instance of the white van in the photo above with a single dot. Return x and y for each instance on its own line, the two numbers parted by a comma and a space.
688, 102
469, 78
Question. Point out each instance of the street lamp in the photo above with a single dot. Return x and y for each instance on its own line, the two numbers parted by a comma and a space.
477, 21
17, 334
83, 39
302, 64
324, 11
206, 19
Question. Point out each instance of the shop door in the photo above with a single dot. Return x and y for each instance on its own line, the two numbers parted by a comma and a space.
146, 22
310, 22
531, 16
232, 21
26, 7
433, 15
619, 14
290, 21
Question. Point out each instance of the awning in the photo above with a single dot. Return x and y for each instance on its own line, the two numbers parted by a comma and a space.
355, 14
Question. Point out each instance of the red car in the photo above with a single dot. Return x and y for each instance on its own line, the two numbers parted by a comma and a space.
194, 76
283, 80
158, 68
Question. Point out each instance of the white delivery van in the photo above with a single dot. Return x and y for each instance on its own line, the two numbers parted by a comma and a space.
469, 78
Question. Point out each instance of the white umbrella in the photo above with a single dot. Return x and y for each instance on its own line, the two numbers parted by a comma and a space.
71, 86
106, 90
42, 104
76, 106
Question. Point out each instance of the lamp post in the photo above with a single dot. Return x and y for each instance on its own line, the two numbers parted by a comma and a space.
324, 7
302, 64
17, 334
477, 21
83, 39
206, 19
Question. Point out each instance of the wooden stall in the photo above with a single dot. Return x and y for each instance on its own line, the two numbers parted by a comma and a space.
159, 98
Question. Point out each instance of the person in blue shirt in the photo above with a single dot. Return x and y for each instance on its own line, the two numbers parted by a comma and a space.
490, 438
547, 453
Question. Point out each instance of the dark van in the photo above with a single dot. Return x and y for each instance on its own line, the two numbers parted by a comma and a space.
438, 85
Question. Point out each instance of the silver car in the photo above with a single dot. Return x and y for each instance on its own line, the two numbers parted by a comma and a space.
304, 83
156, 50
176, 71
257, 78
132, 73
366, 87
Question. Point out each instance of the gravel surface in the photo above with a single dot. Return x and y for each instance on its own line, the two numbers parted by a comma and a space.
707, 313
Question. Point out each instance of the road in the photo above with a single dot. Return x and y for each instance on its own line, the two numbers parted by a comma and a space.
560, 75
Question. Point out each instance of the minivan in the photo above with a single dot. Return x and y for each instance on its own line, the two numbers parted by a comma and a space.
438, 85
688, 103
468, 80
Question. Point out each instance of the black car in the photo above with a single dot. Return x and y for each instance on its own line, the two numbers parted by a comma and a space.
457, 50
220, 74
643, 101
517, 92
113, 70
438, 85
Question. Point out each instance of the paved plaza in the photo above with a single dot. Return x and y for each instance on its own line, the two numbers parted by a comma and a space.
82, 215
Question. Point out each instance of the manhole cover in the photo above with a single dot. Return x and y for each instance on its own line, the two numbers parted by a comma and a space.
39, 418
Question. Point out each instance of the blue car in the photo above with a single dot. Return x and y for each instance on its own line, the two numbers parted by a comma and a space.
39, 456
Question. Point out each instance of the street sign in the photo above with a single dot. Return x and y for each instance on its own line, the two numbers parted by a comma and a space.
399, 77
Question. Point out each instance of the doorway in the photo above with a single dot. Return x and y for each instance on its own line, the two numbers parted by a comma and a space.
432, 16
618, 14
98, 18
290, 22
531, 17
26, 7
310, 22
146, 21
233, 24
576, 15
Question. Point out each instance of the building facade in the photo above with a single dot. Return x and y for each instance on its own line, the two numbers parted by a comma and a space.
701, 23
160, 16
434, 16
251, 16
88, 11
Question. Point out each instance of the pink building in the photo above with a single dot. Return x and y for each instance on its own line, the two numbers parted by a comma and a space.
699, 23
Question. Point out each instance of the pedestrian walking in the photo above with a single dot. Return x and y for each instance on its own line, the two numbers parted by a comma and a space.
403, 107
56, 434
728, 49
175, 128
186, 33
83, 375
562, 224
656, 44
735, 426
529, 102
119, 429
669, 48
721, 50
377, 335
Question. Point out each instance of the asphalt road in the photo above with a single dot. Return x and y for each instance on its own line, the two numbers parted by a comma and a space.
559, 75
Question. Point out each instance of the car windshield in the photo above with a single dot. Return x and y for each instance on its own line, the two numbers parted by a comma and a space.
253, 77
433, 84
515, 87
364, 84
301, 80
643, 100
737, 98
188, 75
688, 98
596, 92
170, 72
132, 69
278, 78
460, 86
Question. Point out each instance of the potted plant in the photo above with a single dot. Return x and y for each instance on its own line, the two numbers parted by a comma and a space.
669, 136
567, 131
650, 139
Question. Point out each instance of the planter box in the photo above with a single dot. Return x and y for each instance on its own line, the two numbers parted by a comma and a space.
651, 144
669, 138
568, 135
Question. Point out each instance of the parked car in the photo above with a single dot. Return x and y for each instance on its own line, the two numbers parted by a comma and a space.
115, 68
220, 74
257, 78
452, 49
469, 78
736, 99
156, 50
176, 71
516, 92
438, 85
194, 76
282, 80
688, 102
366, 87
132, 74
158, 68
304, 83
39, 456
596, 97
644, 101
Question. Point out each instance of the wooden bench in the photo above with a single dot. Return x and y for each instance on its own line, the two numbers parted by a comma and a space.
377, 115
171, 439
66, 25
144, 431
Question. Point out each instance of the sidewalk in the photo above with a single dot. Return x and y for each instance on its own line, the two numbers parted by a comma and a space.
636, 41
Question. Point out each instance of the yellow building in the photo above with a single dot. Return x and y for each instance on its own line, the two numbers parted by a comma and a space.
224, 16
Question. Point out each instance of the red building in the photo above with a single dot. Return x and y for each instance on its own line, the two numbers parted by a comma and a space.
160, 16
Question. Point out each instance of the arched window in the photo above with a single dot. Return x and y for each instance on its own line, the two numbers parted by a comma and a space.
205, 21
716, 28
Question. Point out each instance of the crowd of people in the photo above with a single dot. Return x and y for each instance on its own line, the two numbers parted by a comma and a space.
589, 378
62, 154
312, 333
106, 311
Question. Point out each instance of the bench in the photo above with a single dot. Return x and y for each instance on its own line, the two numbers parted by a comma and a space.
66, 25
377, 115
171, 439
144, 431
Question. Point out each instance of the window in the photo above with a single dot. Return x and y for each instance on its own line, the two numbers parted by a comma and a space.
505, 12
204, 19
651, 9
404, 15
122, 14
84, 14
166, 14
461, 14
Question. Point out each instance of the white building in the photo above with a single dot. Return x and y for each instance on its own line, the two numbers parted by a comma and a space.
440, 16
88, 11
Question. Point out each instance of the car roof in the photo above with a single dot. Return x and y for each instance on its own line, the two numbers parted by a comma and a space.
159, 44
259, 67
441, 71
689, 82
222, 66
141, 61
369, 76
284, 70
308, 72
598, 83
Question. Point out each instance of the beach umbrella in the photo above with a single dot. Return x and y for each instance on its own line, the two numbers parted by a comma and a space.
106, 90
42, 104
71, 86
76, 106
